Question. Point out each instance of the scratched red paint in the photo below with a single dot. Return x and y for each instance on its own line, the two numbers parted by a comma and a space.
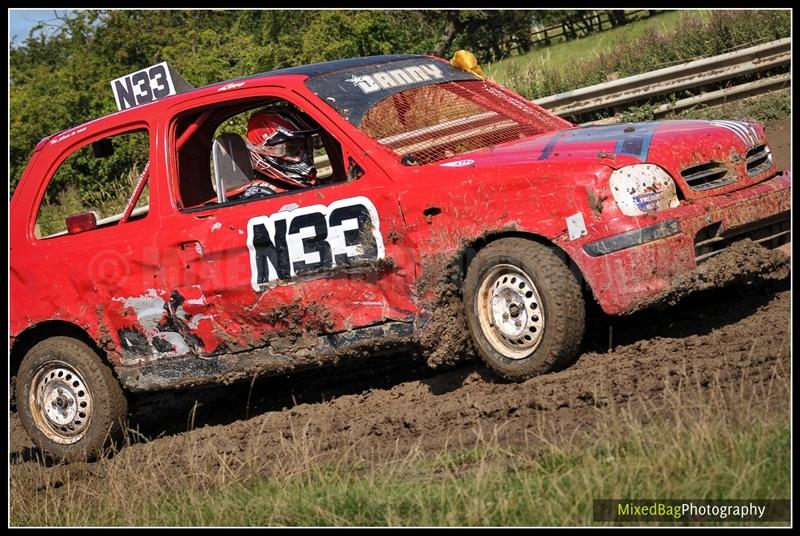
185, 277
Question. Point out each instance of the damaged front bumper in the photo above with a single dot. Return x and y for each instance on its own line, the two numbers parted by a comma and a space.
635, 268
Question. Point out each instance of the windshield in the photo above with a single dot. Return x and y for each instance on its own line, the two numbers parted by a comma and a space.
423, 109
434, 122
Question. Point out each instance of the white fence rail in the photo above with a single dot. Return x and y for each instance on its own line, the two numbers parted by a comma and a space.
679, 77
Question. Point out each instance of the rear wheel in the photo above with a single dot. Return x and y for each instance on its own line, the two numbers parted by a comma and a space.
68, 400
525, 309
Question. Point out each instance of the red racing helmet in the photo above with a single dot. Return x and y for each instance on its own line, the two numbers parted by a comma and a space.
281, 146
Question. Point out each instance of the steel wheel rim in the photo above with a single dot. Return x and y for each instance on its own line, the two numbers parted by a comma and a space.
60, 402
510, 312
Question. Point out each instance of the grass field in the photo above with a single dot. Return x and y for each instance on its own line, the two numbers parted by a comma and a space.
568, 52
644, 45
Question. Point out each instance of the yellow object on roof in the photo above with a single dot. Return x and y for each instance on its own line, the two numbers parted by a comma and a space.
466, 61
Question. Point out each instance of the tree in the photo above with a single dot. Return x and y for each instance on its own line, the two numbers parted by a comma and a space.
490, 35
60, 78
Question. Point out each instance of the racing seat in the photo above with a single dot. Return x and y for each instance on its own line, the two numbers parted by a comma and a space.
232, 166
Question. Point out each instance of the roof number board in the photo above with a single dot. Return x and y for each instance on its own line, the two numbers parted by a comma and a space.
147, 85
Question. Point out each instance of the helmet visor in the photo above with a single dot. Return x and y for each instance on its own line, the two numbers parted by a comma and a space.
290, 150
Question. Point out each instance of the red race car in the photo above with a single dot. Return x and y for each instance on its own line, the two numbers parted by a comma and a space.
337, 210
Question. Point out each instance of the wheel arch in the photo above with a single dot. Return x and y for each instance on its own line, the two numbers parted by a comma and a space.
468, 252
35, 334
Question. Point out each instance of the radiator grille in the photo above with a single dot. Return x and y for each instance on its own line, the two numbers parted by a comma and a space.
771, 233
708, 175
759, 160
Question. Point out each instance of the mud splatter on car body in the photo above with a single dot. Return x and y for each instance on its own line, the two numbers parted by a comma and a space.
197, 289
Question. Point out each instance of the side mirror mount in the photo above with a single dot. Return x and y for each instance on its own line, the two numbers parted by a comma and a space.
79, 223
354, 171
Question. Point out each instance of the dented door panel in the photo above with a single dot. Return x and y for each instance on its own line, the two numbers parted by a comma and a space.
300, 262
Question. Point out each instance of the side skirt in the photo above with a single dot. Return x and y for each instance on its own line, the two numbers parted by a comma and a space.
280, 357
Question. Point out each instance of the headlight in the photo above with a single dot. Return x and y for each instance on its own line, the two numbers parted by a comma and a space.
642, 188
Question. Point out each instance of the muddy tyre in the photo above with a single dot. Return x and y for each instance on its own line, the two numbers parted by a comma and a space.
69, 401
525, 308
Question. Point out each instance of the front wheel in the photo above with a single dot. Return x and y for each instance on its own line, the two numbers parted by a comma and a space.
68, 400
525, 309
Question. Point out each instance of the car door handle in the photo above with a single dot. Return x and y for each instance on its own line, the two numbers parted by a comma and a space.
191, 250
430, 212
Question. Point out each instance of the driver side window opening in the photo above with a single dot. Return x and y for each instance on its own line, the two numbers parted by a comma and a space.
251, 149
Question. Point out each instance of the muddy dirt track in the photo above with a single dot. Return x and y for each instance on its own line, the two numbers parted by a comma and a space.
734, 339
727, 338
